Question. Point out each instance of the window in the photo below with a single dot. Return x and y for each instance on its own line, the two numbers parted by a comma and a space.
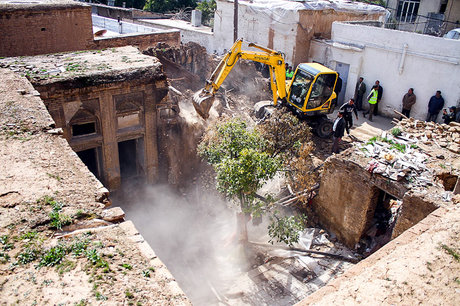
83, 129
407, 10
300, 87
322, 90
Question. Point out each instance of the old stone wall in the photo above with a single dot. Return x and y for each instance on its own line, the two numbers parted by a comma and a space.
347, 198
414, 209
45, 30
123, 13
142, 41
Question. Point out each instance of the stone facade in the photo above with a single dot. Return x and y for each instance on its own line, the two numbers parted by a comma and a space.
108, 105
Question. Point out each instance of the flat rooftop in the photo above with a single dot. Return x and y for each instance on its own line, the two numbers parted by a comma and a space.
13, 5
176, 24
110, 65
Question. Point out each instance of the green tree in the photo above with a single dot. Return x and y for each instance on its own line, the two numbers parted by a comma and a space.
162, 6
242, 165
207, 8
139, 4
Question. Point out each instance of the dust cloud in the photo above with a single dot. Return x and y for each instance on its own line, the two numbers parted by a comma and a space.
193, 234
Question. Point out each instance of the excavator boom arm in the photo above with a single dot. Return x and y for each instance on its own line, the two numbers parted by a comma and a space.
275, 61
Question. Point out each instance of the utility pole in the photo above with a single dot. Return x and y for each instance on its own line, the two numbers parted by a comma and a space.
235, 20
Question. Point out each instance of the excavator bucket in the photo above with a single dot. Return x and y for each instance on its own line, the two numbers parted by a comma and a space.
202, 102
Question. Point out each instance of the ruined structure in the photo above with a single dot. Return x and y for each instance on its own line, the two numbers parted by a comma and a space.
390, 183
39, 175
108, 105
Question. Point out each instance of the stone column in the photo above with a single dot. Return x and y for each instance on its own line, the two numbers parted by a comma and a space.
150, 141
111, 165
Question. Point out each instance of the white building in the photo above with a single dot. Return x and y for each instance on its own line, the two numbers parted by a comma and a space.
287, 26
399, 60
425, 16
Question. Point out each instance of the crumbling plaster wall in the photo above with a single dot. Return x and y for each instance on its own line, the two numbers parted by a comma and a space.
45, 29
427, 64
347, 197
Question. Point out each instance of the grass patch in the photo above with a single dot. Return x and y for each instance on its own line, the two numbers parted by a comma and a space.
396, 132
28, 255
126, 266
129, 295
99, 296
53, 256
393, 145
58, 220
451, 251
66, 266
96, 260
79, 247
5, 241
29, 235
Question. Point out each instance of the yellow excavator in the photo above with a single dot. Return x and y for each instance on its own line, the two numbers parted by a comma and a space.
309, 94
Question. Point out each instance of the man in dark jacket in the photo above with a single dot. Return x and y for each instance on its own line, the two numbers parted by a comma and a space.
434, 106
338, 128
360, 90
449, 117
348, 109
407, 102
379, 97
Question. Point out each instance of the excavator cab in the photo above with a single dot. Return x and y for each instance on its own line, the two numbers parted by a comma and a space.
311, 91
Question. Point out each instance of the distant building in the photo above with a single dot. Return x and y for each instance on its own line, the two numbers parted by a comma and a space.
434, 17
287, 26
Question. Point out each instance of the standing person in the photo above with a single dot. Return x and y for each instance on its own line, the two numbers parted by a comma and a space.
434, 106
372, 99
449, 117
379, 97
337, 89
407, 102
338, 128
360, 90
348, 109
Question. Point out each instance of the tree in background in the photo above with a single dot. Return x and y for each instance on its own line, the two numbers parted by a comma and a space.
162, 6
242, 164
139, 4
207, 8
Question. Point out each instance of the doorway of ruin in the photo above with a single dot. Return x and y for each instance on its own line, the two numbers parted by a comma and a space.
130, 156
92, 159
381, 219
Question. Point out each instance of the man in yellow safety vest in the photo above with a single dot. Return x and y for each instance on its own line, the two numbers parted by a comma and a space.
372, 99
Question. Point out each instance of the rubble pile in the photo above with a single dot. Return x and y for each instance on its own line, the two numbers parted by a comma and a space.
430, 133
405, 153
398, 158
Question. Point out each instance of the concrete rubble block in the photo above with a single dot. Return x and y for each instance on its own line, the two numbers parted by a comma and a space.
115, 214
